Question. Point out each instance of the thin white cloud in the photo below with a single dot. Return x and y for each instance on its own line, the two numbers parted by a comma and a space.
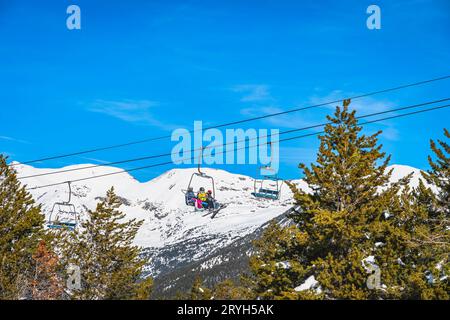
299, 119
307, 118
95, 160
364, 106
361, 105
389, 131
7, 138
133, 111
258, 111
253, 92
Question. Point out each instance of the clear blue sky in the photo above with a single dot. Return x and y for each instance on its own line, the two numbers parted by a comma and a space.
138, 69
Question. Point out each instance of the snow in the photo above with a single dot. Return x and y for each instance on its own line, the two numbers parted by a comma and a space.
283, 264
400, 262
309, 284
401, 171
369, 263
370, 259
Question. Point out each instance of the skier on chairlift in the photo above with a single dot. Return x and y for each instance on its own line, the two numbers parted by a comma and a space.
210, 200
202, 197
190, 196
201, 194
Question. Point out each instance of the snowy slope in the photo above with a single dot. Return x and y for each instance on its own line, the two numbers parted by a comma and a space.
172, 232
401, 171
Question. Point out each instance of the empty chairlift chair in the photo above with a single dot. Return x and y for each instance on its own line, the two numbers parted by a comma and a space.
268, 187
263, 190
63, 214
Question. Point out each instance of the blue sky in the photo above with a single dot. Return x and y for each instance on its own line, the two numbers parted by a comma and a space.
139, 69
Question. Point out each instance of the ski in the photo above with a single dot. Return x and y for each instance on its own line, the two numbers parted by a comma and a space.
215, 212
208, 213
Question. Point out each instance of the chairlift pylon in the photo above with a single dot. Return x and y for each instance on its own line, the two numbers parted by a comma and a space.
64, 214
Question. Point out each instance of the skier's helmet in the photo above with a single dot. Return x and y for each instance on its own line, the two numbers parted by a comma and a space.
202, 189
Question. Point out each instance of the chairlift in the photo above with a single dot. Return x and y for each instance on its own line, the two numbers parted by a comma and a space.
190, 193
63, 214
269, 186
190, 196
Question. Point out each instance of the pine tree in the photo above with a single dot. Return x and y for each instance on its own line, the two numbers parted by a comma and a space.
416, 274
438, 204
431, 238
199, 291
439, 175
330, 236
276, 264
110, 265
47, 282
229, 290
21, 229
352, 233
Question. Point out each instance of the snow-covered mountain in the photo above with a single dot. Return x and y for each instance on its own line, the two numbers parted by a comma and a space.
160, 202
175, 237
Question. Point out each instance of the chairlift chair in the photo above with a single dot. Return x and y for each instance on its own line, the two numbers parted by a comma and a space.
190, 196
63, 214
263, 189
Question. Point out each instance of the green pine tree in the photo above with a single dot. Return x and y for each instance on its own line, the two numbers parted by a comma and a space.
439, 175
438, 204
277, 264
417, 274
332, 232
353, 231
21, 229
199, 291
431, 238
110, 265
229, 290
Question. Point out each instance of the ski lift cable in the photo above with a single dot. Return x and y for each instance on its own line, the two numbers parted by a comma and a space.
238, 121
214, 146
242, 148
